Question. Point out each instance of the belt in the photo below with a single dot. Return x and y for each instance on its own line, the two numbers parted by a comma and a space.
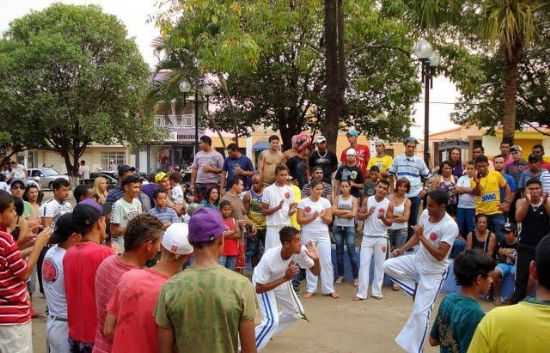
57, 318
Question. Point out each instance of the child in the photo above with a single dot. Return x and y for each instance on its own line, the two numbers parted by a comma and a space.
460, 313
231, 237
506, 258
371, 181
466, 211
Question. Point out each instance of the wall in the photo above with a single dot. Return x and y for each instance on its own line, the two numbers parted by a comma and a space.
92, 156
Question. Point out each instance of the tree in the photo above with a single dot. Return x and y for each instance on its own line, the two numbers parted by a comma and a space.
69, 76
270, 60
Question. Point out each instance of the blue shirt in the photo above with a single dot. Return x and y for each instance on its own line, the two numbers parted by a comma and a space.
413, 168
165, 215
511, 183
229, 166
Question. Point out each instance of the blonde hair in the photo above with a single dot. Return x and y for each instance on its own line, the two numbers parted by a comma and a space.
100, 196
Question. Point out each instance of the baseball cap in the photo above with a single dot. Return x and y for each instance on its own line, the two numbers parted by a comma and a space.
94, 204
352, 132
351, 152
125, 168
320, 139
516, 148
206, 224
176, 239
160, 176
64, 227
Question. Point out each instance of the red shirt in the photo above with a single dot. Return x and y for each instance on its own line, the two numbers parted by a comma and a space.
80, 265
106, 280
133, 305
362, 157
15, 306
230, 246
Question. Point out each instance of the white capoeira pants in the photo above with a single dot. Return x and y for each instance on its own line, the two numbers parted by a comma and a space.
272, 237
325, 260
58, 336
16, 338
280, 308
424, 285
377, 248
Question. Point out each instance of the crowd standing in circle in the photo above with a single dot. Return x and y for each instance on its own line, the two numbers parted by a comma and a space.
148, 256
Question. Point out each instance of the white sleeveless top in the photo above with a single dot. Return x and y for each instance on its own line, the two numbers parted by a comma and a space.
344, 205
399, 210
374, 227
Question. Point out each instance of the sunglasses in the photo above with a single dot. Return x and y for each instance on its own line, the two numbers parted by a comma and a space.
18, 187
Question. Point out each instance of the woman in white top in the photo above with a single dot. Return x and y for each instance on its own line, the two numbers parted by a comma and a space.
344, 210
314, 215
401, 211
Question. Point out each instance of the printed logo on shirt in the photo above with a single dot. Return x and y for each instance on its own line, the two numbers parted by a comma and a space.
433, 237
354, 175
307, 209
287, 195
489, 197
49, 271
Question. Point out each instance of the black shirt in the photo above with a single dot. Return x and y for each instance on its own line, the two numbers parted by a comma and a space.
535, 225
327, 161
298, 170
353, 174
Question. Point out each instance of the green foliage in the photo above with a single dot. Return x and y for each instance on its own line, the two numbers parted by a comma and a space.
69, 76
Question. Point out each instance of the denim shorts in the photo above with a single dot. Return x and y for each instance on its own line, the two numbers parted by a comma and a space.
506, 269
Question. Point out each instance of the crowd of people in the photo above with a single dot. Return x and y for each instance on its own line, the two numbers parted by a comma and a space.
147, 267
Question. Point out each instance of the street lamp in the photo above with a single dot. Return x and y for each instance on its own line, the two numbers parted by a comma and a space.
206, 90
430, 59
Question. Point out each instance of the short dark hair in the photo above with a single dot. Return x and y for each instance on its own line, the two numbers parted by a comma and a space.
534, 180
273, 137
82, 162
287, 233
533, 158
455, 149
236, 180
439, 196
314, 183
542, 261
80, 191
448, 163
539, 146
482, 159
206, 139
225, 203
374, 168
175, 177
481, 215
316, 168
470, 264
6, 200
403, 181
506, 141
59, 183
280, 167
480, 147
19, 206
384, 182
130, 179
16, 182
157, 192
232, 147
471, 163
142, 228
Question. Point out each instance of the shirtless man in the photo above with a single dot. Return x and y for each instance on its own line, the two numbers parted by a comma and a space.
269, 159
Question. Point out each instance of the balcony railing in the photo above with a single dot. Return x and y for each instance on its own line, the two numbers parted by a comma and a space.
174, 121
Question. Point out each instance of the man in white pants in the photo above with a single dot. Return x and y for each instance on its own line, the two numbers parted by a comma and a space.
64, 236
278, 205
421, 274
378, 212
278, 302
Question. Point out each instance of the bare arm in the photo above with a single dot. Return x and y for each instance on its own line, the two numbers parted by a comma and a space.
469, 241
47, 221
522, 206
110, 325
269, 211
261, 166
41, 240
388, 218
406, 213
247, 336
326, 215
291, 271
166, 340
193, 176
492, 245
303, 219
434, 342
117, 230
438, 252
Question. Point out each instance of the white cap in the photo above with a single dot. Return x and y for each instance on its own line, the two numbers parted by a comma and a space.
351, 152
320, 139
175, 239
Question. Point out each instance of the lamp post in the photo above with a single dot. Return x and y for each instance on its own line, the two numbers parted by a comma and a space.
206, 91
430, 59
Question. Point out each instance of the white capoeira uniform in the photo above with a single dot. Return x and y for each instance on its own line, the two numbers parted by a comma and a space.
272, 196
54, 290
280, 307
317, 231
374, 245
421, 275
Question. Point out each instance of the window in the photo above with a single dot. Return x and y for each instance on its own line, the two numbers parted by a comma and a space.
110, 160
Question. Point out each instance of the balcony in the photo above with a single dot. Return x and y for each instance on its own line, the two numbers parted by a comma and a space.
174, 121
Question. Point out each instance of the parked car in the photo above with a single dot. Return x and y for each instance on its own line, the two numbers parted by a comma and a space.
44, 177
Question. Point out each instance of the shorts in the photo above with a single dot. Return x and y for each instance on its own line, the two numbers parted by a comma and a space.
506, 269
16, 338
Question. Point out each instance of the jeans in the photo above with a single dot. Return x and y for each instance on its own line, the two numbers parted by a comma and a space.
345, 236
525, 255
413, 218
228, 262
458, 246
398, 237
465, 219
255, 248
496, 225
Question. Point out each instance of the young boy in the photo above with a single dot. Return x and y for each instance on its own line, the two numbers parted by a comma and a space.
164, 214
371, 181
460, 313
506, 259
15, 307
466, 211
125, 209
53, 209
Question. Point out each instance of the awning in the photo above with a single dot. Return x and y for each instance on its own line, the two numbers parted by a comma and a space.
260, 146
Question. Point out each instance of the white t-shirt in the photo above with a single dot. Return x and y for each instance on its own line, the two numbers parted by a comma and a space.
273, 267
124, 211
84, 172
177, 194
53, 281
53, 209
4, 186
272, 196
317, 226
374, 227
445, 231
465, 200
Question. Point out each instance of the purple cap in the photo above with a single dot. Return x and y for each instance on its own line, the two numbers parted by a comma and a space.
205, 225
94, 204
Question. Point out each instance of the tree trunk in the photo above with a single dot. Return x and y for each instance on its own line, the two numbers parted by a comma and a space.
510, 93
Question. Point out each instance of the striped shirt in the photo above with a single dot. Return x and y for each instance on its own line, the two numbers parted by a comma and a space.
327, 191
413, 168
543, 176
165, 215
14, 298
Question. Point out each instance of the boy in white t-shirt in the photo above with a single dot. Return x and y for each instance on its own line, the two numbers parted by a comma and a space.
124, 210
278, 302
421, 274
466, 211
56, 207
278, 206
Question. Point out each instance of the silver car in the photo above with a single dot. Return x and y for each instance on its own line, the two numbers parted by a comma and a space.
44, 177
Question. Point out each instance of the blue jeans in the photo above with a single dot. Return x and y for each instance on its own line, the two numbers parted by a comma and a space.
496, 225
228, 262
465, 219
458, 246
413, 218
345, 236
398, 237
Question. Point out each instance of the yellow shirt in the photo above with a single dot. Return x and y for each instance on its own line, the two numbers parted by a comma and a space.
297, 198
520, 328
489, 201
383, 163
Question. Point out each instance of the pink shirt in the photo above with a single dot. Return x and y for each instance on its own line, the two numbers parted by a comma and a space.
133, 304
107, 278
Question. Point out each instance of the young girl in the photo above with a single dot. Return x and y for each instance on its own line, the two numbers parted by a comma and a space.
482, 238
344, 211
446, 182
231, 237
100, 190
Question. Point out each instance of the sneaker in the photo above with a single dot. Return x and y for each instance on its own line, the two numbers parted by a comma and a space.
377, 297
339, 280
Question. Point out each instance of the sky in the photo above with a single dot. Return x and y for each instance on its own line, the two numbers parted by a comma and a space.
134, 14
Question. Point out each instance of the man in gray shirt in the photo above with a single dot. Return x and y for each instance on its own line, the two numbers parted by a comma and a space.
207, 168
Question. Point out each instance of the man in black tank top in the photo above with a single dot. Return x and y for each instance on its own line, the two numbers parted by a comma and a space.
533, 212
